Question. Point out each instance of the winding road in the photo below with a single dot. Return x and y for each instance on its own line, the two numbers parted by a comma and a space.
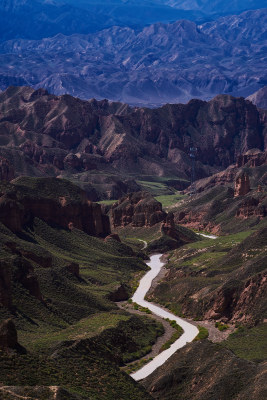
190, 331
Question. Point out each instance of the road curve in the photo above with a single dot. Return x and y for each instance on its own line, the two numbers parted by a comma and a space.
190, 331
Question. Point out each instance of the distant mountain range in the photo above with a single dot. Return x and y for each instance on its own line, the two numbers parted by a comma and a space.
158, 64
216, 6
37, 19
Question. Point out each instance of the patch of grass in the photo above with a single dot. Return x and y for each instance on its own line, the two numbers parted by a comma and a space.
168, 201
175, 336
107, 202
142, 309
222, 327
83, 329
155, 188
203, 333
248, 343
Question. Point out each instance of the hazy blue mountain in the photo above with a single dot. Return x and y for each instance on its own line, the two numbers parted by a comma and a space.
216, 6
159, 64
35, 19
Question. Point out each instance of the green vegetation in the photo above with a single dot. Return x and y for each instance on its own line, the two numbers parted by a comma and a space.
222, 327
142, 309
203, 333
135, 366
161, 185
155, 188
89, 367
61, 282
175, 336
209, 254
249, 343
107, 202
197, 270
168, 201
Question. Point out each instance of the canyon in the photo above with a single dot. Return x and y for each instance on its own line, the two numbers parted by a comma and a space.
108, 147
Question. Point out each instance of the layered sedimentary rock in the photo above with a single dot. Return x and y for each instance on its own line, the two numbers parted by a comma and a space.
61, 135
73, 210
137, 209
252, 158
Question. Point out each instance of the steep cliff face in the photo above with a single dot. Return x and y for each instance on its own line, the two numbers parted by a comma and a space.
235, 194
51, 135
53, 200
137, 209
236, 301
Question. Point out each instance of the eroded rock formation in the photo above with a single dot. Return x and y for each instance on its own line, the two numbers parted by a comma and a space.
242, 185
17, 210
138, 209
251, 207
252, 158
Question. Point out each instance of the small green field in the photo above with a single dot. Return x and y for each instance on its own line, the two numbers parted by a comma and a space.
170, 201
249, 343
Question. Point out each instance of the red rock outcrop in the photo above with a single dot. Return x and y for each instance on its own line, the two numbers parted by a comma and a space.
149, 141
252, 158
197, 220
138, 209
7, 172
251, 207
234, 302
242, 185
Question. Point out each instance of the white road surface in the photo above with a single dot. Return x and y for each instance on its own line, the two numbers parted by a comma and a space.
190, 331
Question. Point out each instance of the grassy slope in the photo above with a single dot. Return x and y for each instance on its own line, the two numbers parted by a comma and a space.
74, 310
201, 267
249, 343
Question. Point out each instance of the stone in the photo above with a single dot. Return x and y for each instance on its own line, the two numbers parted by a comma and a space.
242, 185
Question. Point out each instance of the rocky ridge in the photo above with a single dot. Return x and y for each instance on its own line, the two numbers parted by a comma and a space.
27, 199
239, 192
63, 136
138, 209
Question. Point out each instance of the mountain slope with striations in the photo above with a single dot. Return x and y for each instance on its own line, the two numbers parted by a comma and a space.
158, 64
46, 135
